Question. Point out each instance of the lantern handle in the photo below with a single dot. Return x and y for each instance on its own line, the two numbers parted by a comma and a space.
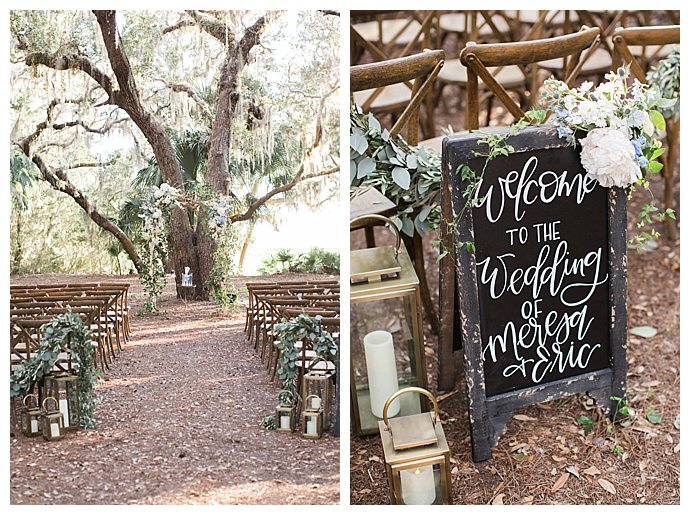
409, 389
50, 399
387, 221
30, 395
309, 397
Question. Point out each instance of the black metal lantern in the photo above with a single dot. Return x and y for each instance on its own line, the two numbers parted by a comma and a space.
52, 424
311, 418
416, 455
63, 388
31, 417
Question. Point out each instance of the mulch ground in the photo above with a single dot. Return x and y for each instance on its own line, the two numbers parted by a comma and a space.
178, 423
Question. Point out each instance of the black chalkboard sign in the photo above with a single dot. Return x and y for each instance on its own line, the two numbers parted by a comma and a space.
541, 299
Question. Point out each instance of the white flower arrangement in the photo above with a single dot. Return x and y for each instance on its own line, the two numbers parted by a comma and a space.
621, 122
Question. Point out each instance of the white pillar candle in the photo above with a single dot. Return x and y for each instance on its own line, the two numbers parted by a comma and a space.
54, 429
315, 403
418, 486
381, 372
64, 409
34, 425
311, 426
285, 422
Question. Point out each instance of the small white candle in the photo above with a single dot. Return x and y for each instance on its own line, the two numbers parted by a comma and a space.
34, 425
418, 485
315, 403
54, 429
381, 372
64, 409
311, 426
285, 422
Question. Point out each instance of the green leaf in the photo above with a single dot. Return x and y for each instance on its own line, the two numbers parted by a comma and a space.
652, 416
586, 422
374, 124
644, 331
358, 142
657, 119
401, 177
365, 167
654, 166
676, 422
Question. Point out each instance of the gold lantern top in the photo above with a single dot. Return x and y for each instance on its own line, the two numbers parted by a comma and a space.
380, 270
412, 437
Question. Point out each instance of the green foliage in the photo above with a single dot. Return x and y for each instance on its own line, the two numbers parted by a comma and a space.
666, 76
408, 176
302, 328
586, 422
23, 174
64, 333
316, 261
269, 422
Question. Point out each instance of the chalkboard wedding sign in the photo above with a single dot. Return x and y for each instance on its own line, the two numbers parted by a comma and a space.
541, 296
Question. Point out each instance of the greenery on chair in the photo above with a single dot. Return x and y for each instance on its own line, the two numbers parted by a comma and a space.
65, 333
666, 76
409, 176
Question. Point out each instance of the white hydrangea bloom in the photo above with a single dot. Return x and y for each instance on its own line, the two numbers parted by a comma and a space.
609, 157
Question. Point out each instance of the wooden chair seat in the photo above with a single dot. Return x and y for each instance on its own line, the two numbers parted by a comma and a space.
652, 51
391, 98
531, 16
508, 76
436, 143
599, 61
406, 30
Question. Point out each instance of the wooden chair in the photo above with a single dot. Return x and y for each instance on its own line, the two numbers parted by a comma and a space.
422, 69
394, 97
478, 58
624, 40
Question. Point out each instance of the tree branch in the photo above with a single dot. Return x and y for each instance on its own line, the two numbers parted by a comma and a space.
213, 27
59, 181
72, 62
180, 24
179, 87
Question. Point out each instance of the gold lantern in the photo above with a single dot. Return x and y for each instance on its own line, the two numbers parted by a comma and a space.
316, 384
386, 339
63, 388
285, 412
416, 455
311, 418
52, 421
31, 417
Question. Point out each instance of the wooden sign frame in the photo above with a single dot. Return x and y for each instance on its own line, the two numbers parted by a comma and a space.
489, 415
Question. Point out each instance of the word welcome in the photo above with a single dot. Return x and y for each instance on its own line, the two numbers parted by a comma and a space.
525, 190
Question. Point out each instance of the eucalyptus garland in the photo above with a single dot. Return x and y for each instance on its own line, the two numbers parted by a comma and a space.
409, 176
67, 333
666, 76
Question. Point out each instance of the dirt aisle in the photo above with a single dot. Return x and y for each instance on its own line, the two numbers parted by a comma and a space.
179, 424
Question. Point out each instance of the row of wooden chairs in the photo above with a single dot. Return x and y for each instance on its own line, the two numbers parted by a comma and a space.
270, 303
102, 306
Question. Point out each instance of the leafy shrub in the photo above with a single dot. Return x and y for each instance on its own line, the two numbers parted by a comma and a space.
316, 261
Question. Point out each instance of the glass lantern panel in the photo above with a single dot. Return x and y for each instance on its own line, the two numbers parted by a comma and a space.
417, 485
396, 316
